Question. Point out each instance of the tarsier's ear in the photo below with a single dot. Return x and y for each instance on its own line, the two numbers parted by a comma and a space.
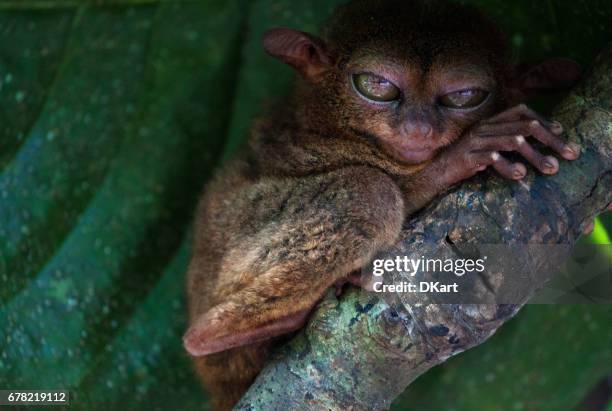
219, 330
528, 80
302, 51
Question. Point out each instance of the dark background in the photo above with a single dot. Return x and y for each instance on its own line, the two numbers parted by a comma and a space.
112, 116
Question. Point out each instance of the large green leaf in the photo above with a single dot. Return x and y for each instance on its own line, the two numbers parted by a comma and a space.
112, 116
126, 119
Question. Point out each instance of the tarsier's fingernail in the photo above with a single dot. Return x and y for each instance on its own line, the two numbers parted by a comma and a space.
534, 123
551, 164
572, 150
556, 127
519, 171
520, 139
495, 156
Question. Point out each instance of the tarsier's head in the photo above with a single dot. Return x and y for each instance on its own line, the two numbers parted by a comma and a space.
409, 76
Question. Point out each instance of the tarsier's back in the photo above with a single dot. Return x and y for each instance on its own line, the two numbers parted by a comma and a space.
400, 101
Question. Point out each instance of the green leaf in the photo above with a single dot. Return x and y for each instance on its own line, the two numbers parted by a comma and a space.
112, 116
109, 158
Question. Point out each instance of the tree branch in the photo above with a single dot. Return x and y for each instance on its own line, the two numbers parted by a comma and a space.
361, 352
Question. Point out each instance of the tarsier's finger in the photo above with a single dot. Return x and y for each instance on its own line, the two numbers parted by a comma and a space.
507, 169
505, 128
546, 164
522, 112
569, 151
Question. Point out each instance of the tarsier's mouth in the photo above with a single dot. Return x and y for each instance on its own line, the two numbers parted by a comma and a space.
415, 155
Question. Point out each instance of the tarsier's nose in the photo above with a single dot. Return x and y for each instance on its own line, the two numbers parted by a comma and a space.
418, 130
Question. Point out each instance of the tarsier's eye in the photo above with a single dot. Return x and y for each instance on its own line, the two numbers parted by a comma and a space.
375, 88
464, 98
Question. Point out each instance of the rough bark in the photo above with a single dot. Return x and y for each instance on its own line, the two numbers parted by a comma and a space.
361, 352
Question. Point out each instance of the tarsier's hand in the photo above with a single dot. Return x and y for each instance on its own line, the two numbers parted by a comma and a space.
480, 146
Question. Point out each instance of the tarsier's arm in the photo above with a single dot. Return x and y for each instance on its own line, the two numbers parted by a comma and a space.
325, 227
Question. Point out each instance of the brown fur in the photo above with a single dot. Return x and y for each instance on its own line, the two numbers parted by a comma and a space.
321, 185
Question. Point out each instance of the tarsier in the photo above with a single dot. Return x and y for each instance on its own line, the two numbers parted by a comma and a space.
394, 104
